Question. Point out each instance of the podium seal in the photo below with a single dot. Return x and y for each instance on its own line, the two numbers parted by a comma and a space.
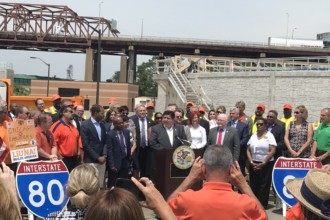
183, 157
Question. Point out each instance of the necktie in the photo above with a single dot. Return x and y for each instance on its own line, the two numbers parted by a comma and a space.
220, 137
143, 134
122, 143
233, 124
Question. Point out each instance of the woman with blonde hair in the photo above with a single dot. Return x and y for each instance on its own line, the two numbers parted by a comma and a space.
9, 209
298, 134
83, 184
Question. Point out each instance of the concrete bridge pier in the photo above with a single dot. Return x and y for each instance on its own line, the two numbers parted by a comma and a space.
123, 69
89, 65
131, 78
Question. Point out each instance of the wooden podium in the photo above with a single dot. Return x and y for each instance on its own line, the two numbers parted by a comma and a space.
165, 175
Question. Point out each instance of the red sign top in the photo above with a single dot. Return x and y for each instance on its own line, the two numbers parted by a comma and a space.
42, 167
297, 163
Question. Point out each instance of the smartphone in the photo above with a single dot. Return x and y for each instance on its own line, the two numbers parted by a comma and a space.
130, 186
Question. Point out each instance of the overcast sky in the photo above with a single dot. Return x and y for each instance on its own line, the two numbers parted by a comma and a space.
235, 20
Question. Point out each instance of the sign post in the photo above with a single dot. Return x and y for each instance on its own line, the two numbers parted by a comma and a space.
290, 168
41, 186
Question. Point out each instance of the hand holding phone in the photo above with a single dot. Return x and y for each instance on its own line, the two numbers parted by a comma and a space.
130, 186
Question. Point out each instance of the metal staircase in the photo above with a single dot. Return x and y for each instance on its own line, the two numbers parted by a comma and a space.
177, 71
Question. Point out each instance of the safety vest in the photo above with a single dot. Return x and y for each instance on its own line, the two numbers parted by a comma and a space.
287, 121
254, 126
316, 124
52, 110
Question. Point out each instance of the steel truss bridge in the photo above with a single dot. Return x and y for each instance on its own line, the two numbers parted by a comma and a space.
55, 28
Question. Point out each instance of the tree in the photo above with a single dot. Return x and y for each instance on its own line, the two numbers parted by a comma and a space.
147, 86
21, 91
115, 77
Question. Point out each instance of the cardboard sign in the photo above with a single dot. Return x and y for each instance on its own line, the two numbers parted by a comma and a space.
22, 140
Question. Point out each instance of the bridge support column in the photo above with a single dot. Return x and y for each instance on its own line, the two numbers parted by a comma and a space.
131, 78
123, 69
89, 65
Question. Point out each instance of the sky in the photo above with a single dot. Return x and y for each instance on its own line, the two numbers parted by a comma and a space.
239, 20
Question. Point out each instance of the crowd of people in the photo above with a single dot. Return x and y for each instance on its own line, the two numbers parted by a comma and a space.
118, 146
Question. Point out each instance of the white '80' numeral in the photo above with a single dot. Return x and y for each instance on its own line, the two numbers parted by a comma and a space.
38, 192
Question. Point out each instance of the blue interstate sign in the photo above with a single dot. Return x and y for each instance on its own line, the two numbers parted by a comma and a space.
290, 168
41, 186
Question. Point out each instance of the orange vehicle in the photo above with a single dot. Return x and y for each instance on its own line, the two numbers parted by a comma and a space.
6, 93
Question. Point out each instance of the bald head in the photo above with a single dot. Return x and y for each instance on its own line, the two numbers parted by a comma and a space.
222, 120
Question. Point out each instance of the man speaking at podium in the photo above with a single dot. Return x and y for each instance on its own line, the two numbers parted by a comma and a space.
167, 135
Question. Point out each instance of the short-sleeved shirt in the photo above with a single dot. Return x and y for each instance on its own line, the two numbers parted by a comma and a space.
66, 137
216, 200
322, 137
45, 141
260, 148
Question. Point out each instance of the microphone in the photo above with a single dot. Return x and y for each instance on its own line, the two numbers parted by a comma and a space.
182, 141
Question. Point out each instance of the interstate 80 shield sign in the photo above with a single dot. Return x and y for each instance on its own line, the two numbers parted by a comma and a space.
290, 168
41, 186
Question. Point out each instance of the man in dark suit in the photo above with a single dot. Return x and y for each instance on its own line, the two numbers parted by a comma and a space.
277, 128
243, 133
168, 134
143, 156
226, 136
119, 151
93, 140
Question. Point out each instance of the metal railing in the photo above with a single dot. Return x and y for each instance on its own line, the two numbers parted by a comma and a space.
189, 64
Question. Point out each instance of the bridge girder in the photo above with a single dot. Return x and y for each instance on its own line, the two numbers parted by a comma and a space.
49, 26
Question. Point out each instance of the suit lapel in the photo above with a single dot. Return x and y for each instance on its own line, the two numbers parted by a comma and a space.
227, 134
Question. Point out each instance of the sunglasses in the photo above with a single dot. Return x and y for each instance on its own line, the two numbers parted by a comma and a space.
259, 124
158, 118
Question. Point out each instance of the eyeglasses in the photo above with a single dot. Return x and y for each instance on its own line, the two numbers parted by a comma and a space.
259, 124
70, 111
297, 113
41, 104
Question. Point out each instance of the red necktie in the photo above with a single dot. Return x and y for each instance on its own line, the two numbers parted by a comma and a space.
220, 136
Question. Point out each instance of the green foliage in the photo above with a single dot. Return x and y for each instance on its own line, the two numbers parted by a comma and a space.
21, 91
115, 77
147, 86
